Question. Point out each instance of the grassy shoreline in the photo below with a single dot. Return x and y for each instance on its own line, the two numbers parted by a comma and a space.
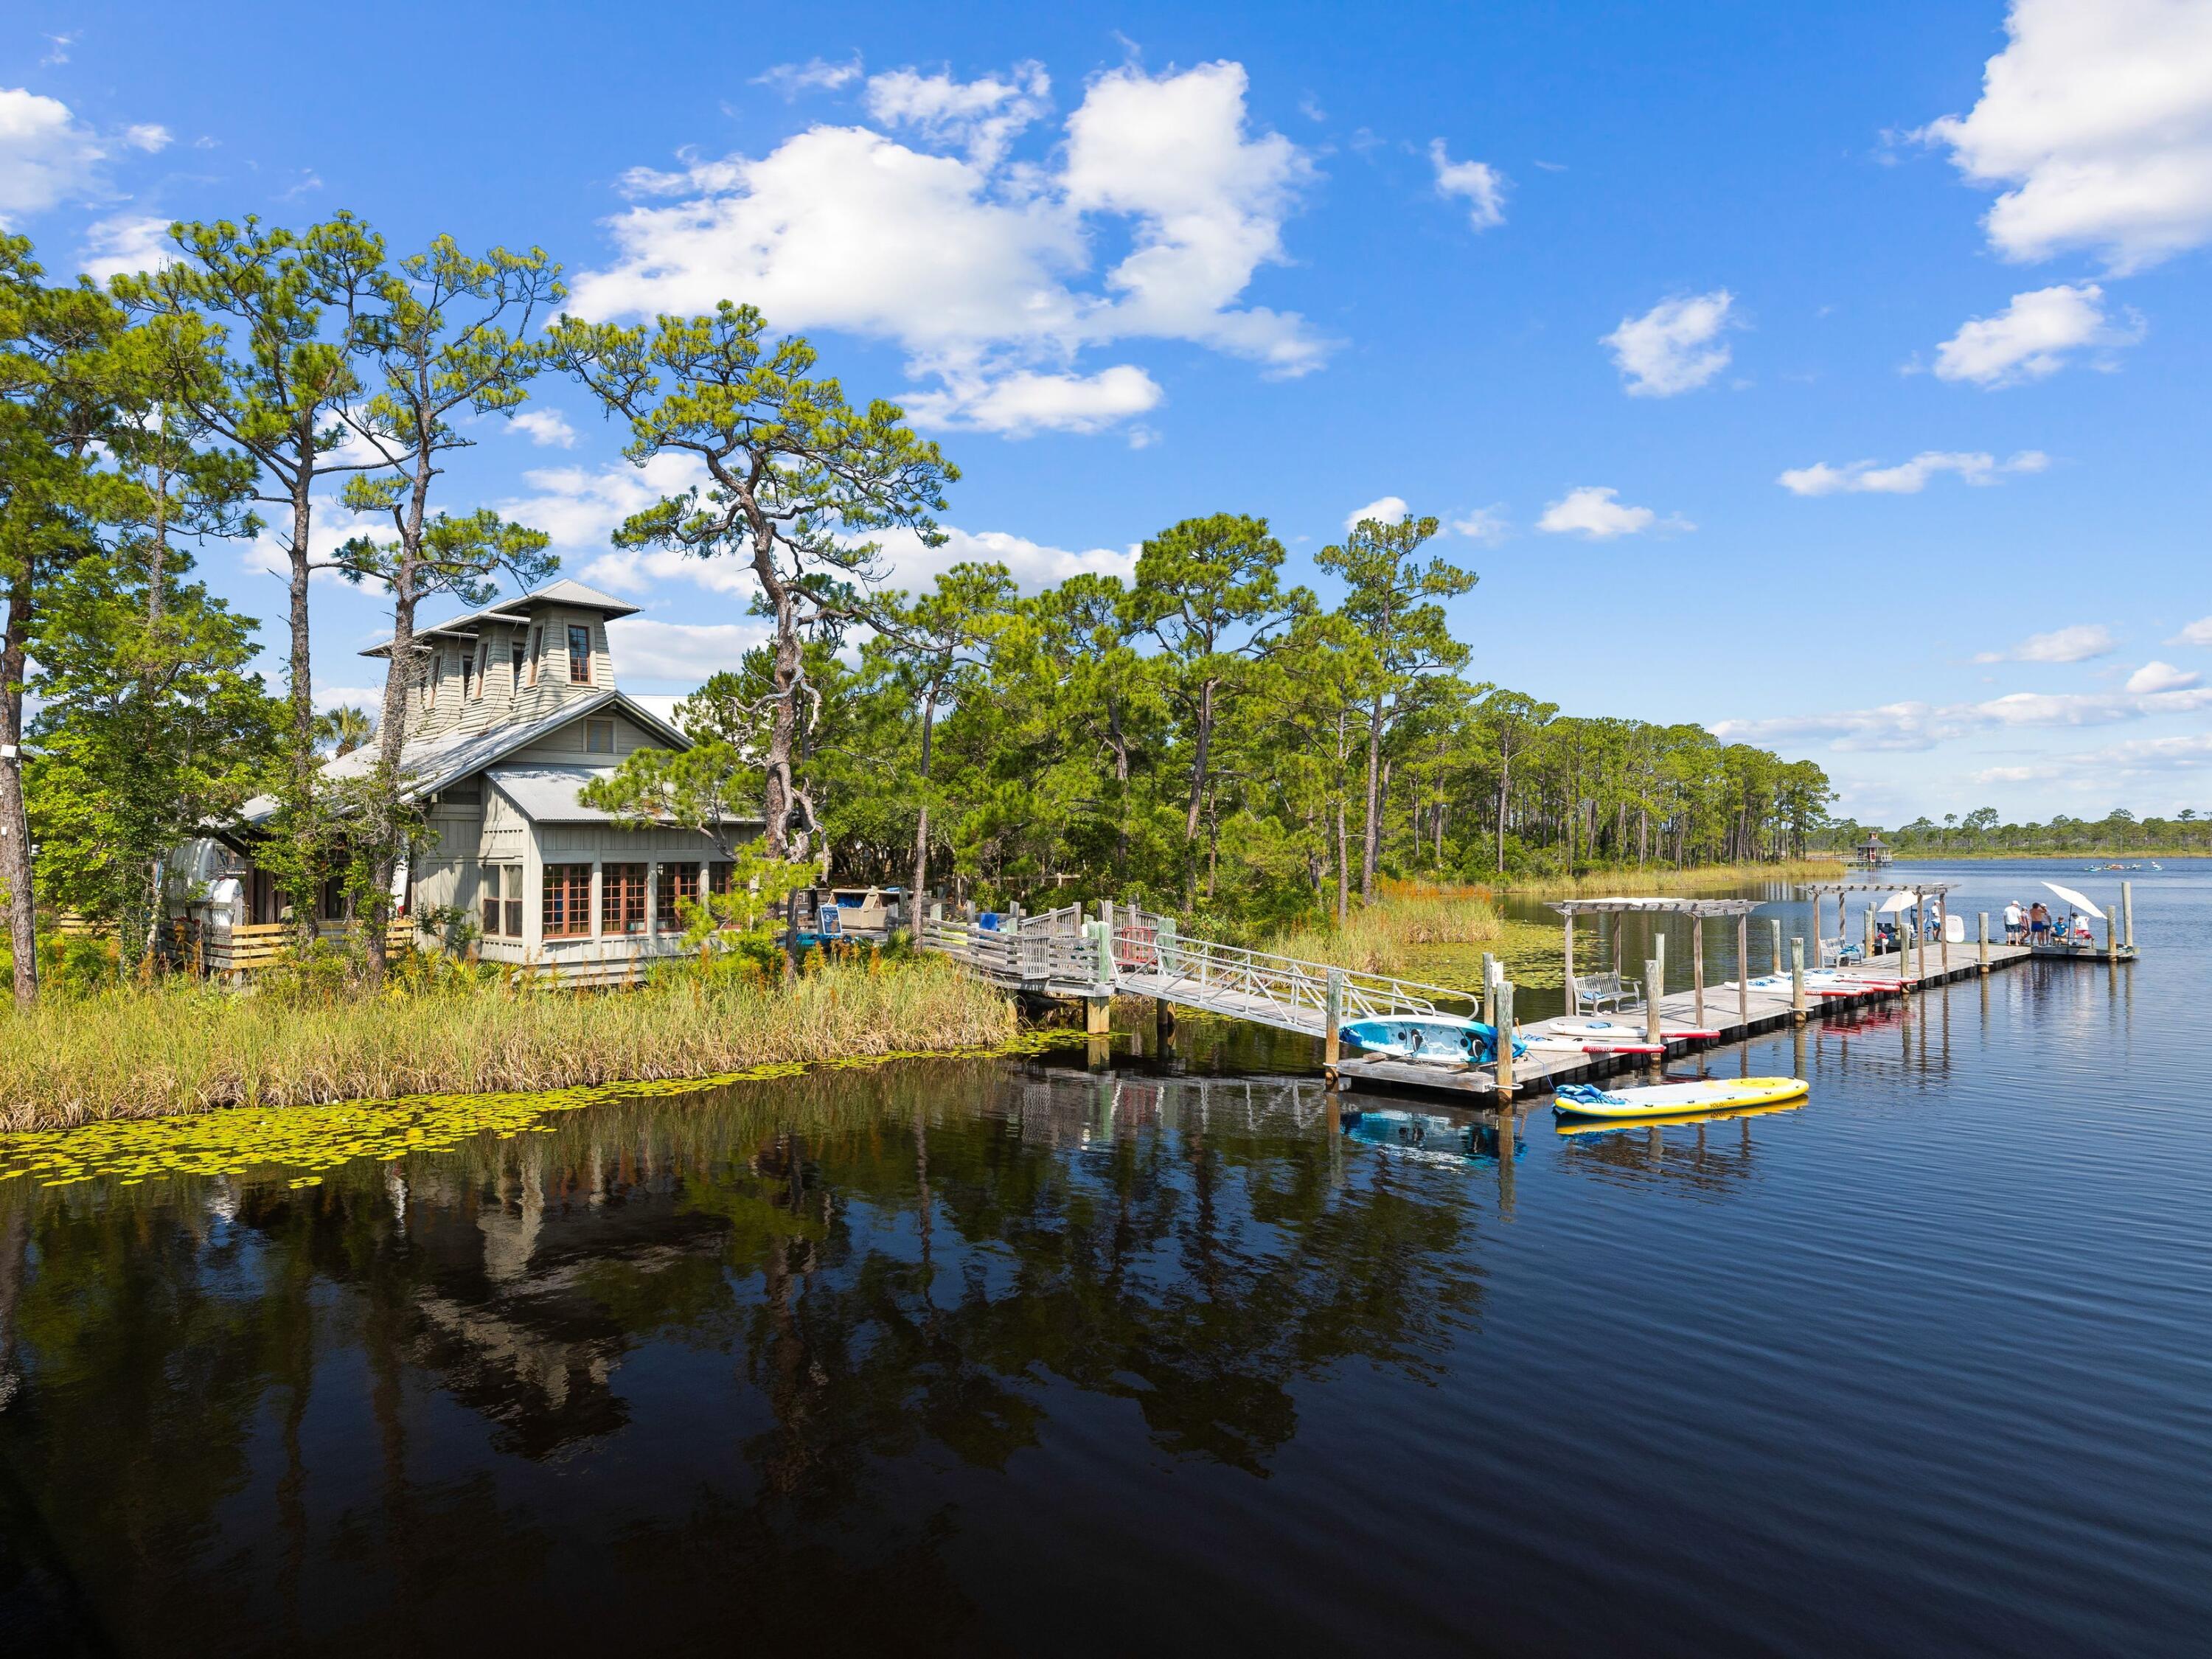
179, 1048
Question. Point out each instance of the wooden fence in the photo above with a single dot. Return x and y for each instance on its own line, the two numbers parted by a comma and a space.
241, 949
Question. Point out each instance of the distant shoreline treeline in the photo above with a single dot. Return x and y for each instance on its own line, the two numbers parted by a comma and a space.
1980, 834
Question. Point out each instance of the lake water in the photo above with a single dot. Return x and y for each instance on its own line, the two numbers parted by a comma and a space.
1014, 1357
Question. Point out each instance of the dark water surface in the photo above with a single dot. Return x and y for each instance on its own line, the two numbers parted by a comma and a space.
1175, 1358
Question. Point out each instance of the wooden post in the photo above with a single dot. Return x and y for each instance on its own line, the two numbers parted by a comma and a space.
1653, 1032
1869, 920
1659, 947
1568, 936
1798, 980
2128, 913
1743, 968
1504, 1061
2112, 931
1774, 934
1943, 938
1698, 965
1985, 941
1489, 988
1332, 1017
1920, 932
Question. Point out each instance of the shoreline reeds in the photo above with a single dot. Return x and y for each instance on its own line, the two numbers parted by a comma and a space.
177, 1048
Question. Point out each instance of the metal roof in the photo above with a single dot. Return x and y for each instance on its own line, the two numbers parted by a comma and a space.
547, 794
572, 594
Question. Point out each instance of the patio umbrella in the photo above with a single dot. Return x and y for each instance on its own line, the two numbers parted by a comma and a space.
1897, 902
2086, 906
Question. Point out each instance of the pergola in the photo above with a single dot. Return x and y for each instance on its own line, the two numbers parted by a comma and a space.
1699, 910
1921, 891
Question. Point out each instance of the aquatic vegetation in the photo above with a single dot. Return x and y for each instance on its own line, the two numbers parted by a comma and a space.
307, 1141
174, 1047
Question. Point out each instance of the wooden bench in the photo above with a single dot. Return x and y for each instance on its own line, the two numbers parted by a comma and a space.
1600, 994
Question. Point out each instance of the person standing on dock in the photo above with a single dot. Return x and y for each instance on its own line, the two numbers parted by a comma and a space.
2014, 917
2038, 923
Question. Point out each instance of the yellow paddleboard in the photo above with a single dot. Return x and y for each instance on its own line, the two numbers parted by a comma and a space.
1677, 1099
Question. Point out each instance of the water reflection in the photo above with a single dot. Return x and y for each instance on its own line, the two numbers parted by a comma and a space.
876, 1269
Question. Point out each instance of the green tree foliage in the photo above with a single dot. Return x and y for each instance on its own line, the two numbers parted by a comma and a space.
287, 313
797, 479
449, 338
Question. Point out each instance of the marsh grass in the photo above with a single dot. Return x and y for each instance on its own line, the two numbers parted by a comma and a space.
176, 1046
1389, 936
1655, 879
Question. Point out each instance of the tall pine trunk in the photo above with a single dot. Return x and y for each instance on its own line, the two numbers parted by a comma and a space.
14, 821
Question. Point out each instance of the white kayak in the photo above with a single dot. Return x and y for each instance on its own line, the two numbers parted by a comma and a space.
1553, 1043
1625, 1030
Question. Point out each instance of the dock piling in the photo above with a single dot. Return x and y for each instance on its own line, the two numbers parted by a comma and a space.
1505, 1028
1743, 968
1985, 942
1332, 1018
2128, 913
1489, 988
1774, 940
1698, 964
1652, 1030
1798, 980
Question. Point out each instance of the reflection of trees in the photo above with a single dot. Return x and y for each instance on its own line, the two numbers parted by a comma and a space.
212, 1402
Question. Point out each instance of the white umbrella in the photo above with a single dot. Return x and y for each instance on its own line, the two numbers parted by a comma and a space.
1897, 902
2085, 905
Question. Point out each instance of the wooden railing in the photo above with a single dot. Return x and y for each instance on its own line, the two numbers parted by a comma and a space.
257, 945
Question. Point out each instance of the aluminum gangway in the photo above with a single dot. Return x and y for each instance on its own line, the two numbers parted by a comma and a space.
1131, 951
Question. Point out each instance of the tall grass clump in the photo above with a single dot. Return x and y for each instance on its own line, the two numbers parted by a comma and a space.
1385, 936
1654, 880
176, 1046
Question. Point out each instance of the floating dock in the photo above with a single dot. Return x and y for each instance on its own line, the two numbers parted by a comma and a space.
1128, 951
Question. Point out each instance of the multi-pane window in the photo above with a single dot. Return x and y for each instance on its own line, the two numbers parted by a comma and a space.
579, 654
721, 876
622, 898
502, 900
598, 737
483, 666
567, 905
675, 886
468, 681
516, 658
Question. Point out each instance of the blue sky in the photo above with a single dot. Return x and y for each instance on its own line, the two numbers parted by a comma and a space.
1830, 375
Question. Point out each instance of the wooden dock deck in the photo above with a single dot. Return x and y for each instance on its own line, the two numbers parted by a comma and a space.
1884, 977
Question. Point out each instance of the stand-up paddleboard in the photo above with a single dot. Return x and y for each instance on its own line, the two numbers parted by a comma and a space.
1626, 1031
1674, 1099
1427, 1039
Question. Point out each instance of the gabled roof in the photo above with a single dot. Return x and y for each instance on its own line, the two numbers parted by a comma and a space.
433, 763
547, 794
564, 593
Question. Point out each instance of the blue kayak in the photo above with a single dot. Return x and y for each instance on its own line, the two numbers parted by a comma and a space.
1430, 1039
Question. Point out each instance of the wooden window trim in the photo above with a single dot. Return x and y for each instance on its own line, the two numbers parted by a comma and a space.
580, 663
536, 649
623, 911
672, 884
571, 883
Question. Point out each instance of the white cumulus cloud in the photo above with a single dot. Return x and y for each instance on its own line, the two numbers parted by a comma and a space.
1384, 509
2095, 124
1023, 402
47, 154
815, 75
549, 428
2161, 677
980, 267
1485, 524
1907, 477
1595, 513
1481, 185
2077, 643
646, 648
1675, 347
148, 135
125, 244
1913, 726
2034, 336
2197, 633
983, 116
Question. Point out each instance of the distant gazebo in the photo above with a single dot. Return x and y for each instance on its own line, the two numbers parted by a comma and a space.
1873, 853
